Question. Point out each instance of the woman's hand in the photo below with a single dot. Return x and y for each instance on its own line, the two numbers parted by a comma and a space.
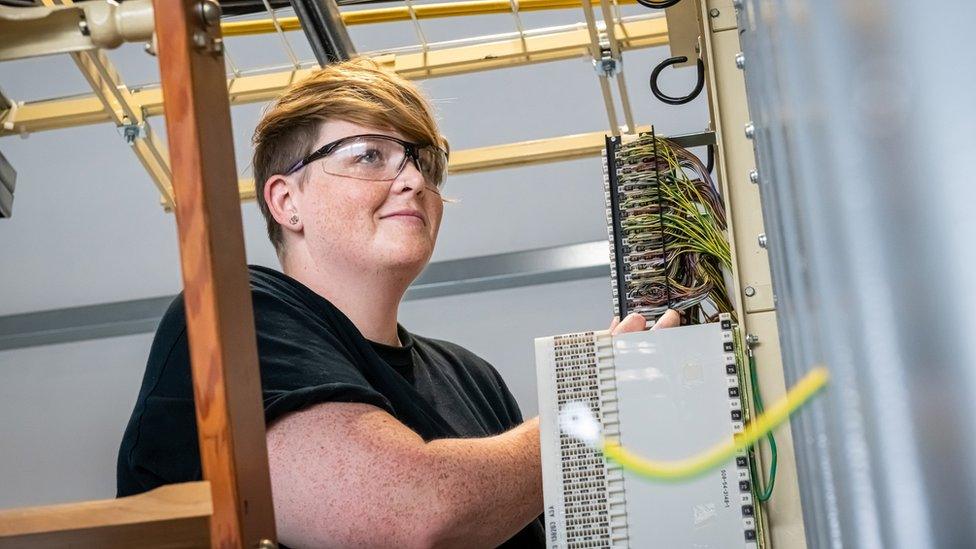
635, 322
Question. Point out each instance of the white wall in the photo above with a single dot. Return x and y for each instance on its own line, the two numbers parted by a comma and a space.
87, 229
62, 412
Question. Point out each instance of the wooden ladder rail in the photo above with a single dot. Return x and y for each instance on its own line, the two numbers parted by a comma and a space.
217, 295
235, 498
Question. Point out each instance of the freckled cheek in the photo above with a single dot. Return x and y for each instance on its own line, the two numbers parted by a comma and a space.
343, 220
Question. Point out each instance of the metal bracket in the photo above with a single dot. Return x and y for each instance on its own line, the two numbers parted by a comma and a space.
607, 65
683, 32
8, 109
205, 38
131, 132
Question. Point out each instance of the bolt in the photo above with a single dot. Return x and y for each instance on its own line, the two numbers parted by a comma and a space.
218, 45
713, 13
200, 39
606, 65
750, 291
209, 12
740, 60
754, 177
752, 339
762, 240
750, 130
130, 132
83, 27
149, 48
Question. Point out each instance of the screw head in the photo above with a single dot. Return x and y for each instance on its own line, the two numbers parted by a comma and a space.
209, 12
713, 13
752, 339
740, 60
762, 240
754, 177
750, 130
749, 291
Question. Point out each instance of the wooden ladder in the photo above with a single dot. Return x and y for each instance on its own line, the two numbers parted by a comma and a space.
232, 507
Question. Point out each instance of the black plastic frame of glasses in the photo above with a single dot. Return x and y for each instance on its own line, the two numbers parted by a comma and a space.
411, 151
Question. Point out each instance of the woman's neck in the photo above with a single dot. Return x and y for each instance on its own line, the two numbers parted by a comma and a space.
371, 300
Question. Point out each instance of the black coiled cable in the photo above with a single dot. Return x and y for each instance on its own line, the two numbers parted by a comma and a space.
677, 100
657, 5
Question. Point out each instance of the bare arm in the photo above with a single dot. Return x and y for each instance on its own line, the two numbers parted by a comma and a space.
351, 475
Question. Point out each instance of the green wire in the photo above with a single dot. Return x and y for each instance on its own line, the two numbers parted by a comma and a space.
757, 402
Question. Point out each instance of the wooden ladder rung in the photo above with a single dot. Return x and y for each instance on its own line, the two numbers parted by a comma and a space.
176, 515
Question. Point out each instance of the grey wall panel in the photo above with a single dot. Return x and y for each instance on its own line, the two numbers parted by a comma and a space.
63, 409
864, 119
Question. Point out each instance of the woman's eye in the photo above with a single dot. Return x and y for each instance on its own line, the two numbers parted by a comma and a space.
370, 156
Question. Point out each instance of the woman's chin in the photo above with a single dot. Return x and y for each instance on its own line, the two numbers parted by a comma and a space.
407, 256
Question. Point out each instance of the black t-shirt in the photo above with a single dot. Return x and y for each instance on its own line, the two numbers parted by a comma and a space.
310, 352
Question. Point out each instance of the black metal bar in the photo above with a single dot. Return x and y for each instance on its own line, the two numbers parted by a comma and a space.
660, 216
618, 233
689, 140
8, 180
324, 30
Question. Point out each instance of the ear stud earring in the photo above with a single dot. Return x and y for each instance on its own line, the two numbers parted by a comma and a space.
293, 220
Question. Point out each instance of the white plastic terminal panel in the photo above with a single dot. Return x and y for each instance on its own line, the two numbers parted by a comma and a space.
666, 395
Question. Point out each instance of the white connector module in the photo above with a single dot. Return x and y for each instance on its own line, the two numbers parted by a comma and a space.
663, 394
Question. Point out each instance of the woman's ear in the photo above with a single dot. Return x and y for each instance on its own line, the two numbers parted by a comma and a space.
279, 195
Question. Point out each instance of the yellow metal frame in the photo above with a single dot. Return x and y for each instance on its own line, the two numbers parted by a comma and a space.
402, 13
114, 102
118, 104
51, 114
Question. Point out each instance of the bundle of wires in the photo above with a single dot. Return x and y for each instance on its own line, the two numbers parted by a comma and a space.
673, 221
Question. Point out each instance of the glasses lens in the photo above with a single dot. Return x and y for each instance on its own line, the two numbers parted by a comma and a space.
433, 165
366, 158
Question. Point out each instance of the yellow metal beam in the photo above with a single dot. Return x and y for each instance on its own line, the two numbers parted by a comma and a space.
78, 111
509, 155
524, 153
117, 100
402, 13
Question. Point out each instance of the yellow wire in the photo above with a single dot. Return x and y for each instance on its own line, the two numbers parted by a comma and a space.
694, 466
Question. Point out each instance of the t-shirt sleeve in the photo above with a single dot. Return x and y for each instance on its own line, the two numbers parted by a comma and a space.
511, 404
303, 361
